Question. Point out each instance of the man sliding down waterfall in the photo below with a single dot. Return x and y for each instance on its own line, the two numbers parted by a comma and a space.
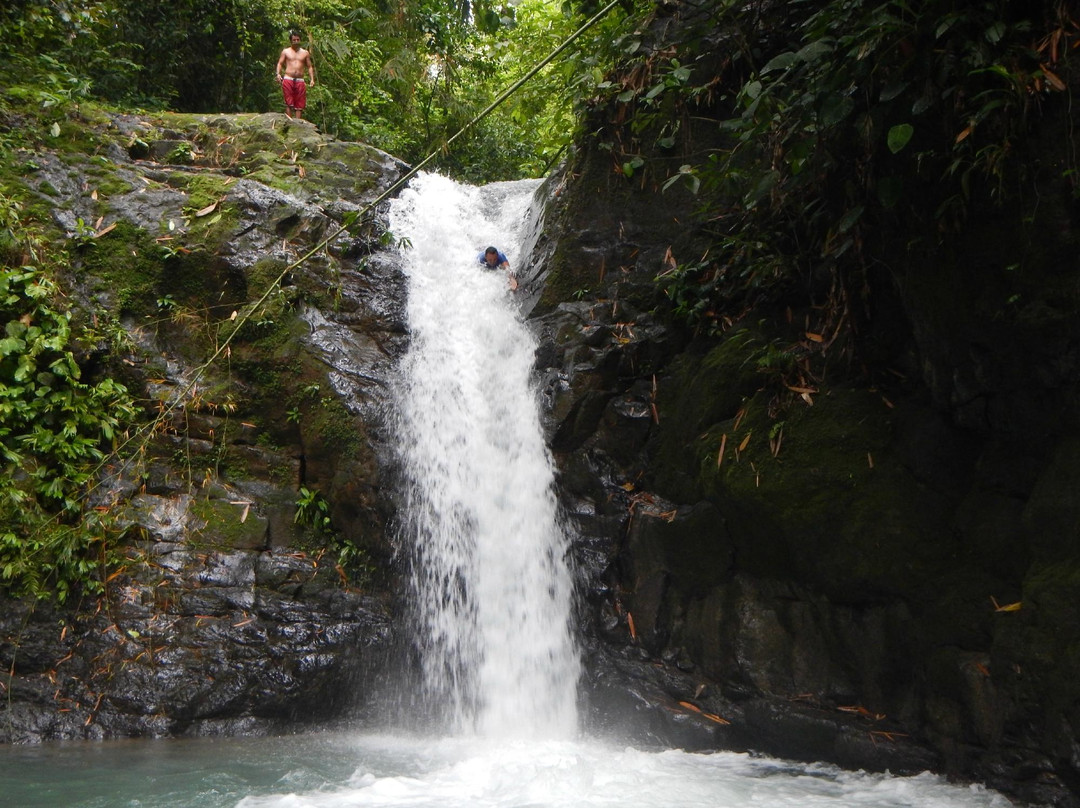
491, 258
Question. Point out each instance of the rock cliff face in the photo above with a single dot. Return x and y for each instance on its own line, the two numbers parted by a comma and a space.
880, 573
251, 592
820, 581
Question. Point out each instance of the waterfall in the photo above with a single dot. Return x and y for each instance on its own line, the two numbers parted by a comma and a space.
490, 580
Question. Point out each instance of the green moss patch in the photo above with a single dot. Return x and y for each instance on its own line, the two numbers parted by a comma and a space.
126, 266
227, 526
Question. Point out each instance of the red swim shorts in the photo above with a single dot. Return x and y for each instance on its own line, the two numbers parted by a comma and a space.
295, 91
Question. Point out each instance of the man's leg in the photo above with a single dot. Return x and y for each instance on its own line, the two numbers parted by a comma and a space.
300, 98
288, 91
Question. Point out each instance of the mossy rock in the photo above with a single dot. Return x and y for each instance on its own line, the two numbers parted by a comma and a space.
1036, 650
700, 391
812, 492
227, 526
126, 266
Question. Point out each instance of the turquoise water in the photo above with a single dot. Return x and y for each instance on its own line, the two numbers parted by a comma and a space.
339, 770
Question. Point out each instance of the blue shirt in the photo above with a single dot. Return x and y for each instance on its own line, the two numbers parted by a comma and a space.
499, 261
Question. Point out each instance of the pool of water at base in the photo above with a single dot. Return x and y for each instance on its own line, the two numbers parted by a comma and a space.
345, 770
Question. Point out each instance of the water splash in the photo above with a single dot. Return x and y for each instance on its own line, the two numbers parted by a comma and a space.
491, 585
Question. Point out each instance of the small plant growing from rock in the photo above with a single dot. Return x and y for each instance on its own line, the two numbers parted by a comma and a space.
312, 510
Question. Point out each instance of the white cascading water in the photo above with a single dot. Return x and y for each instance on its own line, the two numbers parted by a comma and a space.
491, 585
493, 593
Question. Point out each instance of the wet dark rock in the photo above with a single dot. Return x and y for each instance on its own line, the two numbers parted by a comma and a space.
226, 615
832, 585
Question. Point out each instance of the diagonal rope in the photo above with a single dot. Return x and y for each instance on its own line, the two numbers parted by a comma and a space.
179, 398
145, 432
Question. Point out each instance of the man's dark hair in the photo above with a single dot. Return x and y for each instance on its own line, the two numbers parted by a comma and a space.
294, 34
491, 251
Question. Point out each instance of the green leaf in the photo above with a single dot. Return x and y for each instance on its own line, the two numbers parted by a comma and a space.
815, 50
835, 108
899, 136
995, 32
781, 62
765, 185
923, 103
11, 345
848, 220
892, 90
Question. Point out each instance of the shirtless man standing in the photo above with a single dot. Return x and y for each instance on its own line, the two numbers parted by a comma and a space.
294, 59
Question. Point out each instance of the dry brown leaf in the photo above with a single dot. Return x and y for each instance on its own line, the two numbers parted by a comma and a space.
738, 419
108, 229
716, 718
670, 263
630, 624
814, 337
207, 210
1052, 79
964, 135
1008, 607
720, 454
888, 736
690, 706
745, 441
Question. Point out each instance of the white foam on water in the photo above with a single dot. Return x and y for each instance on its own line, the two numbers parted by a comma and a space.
468, 774
492, 586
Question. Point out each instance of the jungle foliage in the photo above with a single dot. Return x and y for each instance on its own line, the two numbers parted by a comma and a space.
403, 77
828, 121
838, 123
56, 427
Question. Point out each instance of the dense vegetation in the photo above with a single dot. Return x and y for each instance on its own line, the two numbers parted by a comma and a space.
55, 428
820, 136
402, 77
837, 120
